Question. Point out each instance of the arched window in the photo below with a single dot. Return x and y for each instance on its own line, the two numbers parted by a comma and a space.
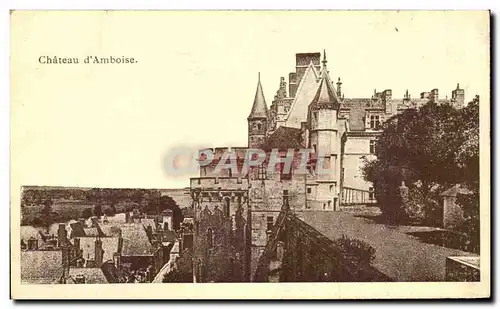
210, 238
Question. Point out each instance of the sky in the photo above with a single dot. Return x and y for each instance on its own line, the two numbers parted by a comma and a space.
102, 125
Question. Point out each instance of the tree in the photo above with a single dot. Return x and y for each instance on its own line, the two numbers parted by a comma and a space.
47, 207
157, 205
422, 148
109, 211
98, 210
87, 213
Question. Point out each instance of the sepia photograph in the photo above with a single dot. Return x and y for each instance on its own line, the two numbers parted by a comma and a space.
250, 147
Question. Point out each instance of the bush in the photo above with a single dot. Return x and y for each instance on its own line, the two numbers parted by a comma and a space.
423, 210
355, 250
470, 206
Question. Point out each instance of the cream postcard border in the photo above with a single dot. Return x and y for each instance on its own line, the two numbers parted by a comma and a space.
258, 290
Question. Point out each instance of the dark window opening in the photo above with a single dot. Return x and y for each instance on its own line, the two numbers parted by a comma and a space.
371, 194
261, 172
374, 121
309, 190
270, 223
285, 175
372, 147
210, 238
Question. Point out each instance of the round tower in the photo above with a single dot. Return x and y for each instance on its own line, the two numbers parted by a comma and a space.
325, 142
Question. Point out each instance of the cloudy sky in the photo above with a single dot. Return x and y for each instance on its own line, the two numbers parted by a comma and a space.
194, 83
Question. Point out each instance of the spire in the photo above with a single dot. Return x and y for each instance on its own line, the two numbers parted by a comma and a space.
458, 86
259, 108
326, 94
324, 59
339, 88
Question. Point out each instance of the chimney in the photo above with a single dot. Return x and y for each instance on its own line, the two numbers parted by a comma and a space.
117, 259
292, 84
61, 235
98, 252
339, 89
76, 243
458, 97
302, 61
65, 263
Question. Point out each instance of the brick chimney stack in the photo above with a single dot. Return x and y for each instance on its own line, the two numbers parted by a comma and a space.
61, 235
98, 252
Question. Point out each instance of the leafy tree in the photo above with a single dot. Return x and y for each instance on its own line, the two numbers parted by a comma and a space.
47, 207
429, 149
109, 211
157, 205
98, 210
87, 213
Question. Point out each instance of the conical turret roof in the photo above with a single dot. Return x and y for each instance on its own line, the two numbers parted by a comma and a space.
326, 96
259, 108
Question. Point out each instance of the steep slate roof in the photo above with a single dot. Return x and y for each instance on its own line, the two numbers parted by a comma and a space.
326, 93
259, 108
92, 275
135, 240
357, 117
110, 245
41, 267
284, 138
306, 90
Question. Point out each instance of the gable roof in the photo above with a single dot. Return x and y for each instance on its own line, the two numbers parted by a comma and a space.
135, 240
306, 90
41, 267
92, 275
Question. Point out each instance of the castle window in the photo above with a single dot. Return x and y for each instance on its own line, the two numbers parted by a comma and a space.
285, 175
261, 172
309, 190
372, 146
315, 116
259, 126
374, 121
371, 194
270, 223
210, 238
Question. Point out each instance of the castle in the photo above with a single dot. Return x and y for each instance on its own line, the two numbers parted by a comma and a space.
235, 214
